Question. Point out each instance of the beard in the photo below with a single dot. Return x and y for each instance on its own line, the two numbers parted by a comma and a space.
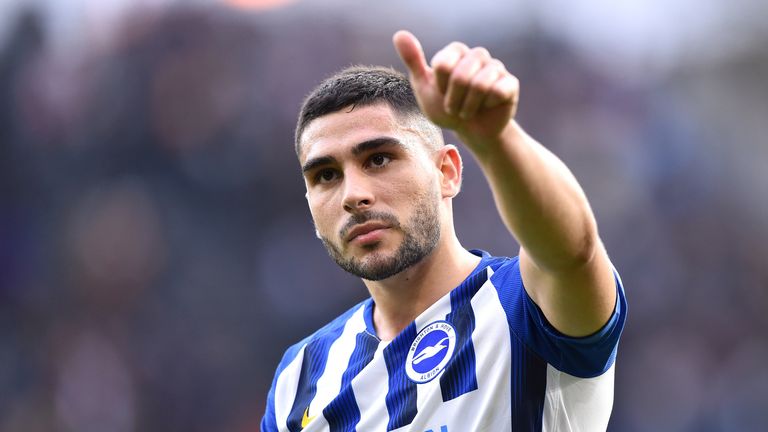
421, 234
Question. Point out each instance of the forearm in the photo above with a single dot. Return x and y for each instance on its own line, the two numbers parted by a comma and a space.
563, 264
538, 198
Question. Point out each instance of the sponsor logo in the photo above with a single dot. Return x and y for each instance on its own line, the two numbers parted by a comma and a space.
306, 419
430, 352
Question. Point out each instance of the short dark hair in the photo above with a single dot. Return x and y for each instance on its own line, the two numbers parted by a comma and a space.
358, 86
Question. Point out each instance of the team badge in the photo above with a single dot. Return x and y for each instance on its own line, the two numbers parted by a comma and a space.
430, 351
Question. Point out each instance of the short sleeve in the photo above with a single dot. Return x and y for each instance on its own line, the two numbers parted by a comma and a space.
583, 357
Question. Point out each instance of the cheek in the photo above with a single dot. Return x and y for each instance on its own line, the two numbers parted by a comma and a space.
322, 214
414, 193
419, 182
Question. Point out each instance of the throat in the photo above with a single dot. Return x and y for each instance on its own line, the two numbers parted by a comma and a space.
399, 300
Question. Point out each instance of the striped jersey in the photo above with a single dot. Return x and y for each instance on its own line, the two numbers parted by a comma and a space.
482, 358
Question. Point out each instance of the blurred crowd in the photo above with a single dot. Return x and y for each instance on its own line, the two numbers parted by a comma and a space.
157, 255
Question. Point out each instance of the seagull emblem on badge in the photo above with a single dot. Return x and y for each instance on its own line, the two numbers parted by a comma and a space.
431, 351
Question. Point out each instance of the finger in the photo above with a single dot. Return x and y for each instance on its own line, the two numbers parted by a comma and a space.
410, 51
479, 88
506, 90
445, 61
461, 76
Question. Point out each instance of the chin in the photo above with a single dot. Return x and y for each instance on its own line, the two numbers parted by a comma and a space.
378, 248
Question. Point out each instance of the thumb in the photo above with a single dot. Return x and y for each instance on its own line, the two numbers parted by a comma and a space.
410, 51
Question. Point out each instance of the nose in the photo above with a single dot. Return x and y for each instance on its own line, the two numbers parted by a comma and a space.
358, 194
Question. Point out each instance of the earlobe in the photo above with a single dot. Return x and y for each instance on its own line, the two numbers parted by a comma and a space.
450, 166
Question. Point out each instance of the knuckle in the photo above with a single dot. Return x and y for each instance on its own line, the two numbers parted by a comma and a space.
492, 73
480, 52
482, 86
460, 79
507, 83
484, 81
456, 45
440, 65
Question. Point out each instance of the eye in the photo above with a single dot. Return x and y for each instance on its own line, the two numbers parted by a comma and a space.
326, 175
379, 160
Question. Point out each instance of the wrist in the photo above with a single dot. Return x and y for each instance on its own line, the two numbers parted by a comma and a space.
487, 147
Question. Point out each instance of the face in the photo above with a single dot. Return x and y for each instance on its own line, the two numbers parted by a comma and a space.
372, 190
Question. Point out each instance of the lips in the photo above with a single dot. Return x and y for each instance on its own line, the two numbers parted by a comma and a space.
366, 228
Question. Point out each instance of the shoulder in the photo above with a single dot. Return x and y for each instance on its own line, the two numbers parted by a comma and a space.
494, 262
325, 335
501, 269
583, 357
502, 272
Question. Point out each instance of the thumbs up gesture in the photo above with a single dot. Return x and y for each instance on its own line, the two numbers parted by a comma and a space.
462, 88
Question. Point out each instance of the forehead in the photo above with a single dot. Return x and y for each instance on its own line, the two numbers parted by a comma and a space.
349, 126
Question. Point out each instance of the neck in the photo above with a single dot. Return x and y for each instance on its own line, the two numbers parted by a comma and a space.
404, 296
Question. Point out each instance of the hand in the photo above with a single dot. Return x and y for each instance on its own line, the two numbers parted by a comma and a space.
464, 89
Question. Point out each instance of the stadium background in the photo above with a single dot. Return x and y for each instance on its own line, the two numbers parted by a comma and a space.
157, 255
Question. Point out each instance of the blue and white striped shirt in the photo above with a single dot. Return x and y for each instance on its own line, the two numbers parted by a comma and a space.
482, 358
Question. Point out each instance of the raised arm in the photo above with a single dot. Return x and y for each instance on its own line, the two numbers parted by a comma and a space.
563, 263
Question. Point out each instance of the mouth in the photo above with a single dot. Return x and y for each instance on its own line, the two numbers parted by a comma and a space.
367, 232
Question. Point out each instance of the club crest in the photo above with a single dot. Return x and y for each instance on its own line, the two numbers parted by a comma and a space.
430, 351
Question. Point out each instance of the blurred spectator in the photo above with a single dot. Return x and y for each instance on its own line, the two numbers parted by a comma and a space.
157, 256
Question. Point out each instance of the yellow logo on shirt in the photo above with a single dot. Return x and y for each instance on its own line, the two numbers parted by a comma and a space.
306, 419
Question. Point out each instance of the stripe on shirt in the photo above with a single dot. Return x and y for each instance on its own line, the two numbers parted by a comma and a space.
285, 388
437, 311
401, 397
312, 368
370, 388
342, 413
529, 381
460, 376
330, 383
492, 348
529, 377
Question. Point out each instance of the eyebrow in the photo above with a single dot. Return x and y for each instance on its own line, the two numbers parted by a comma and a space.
316, 162
376, 143
357, 150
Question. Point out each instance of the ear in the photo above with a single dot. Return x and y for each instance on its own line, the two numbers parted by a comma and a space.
450, 166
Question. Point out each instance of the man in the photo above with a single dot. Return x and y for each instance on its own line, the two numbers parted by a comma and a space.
450, 340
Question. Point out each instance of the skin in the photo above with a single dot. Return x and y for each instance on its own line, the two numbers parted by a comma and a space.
563, 263
350, 183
